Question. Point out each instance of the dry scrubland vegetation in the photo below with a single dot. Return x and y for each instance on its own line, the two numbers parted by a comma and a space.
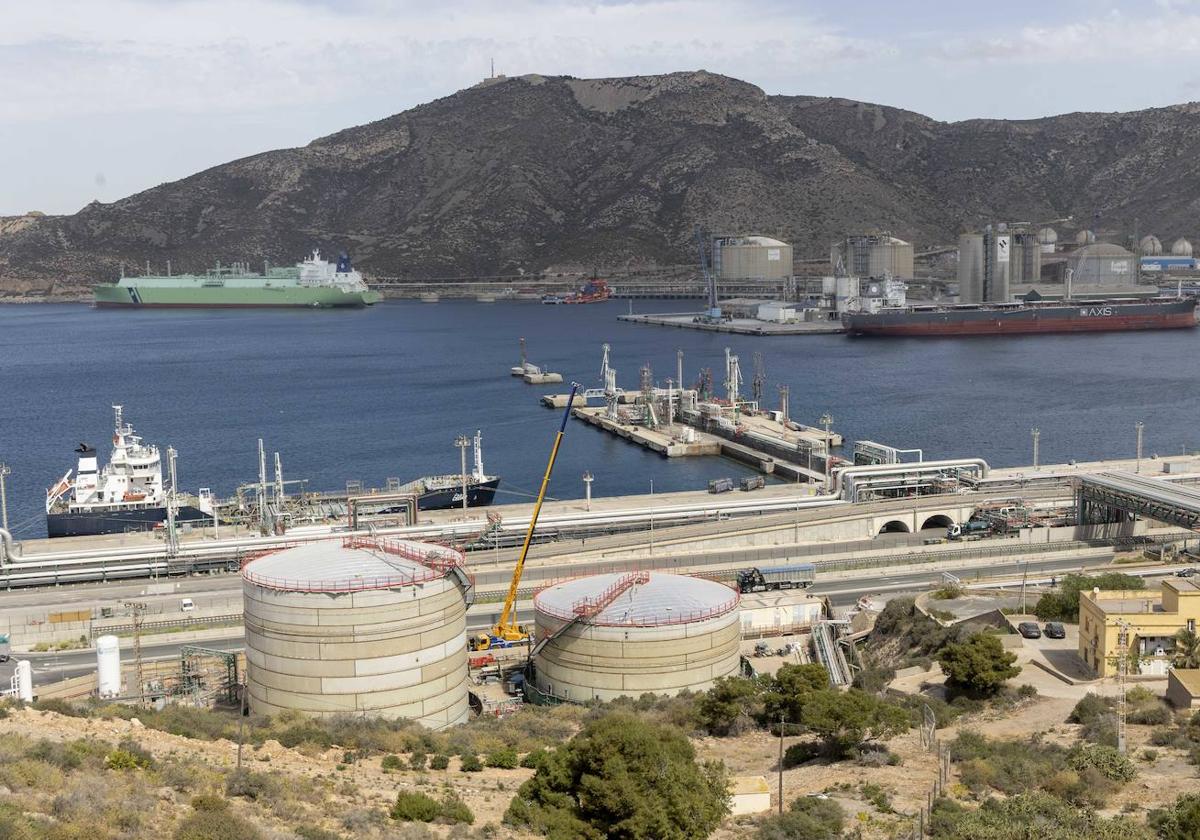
640, 768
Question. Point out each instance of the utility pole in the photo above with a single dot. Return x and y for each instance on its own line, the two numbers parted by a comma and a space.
262, 489
781, 762
587, 488
784, 408
4, 470
137, 612
827, 422
462, 443
679, 375
1140, 426
1122, 669
1037, 433
172, 532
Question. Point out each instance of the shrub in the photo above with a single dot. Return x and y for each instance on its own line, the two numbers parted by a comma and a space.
622, 776
415, 807
454, 810
471, 763
1106, 760
122, 759
799, 753
439, 762
252, 785
1155, 714
416, 761
1179, 822
1063, 605
844, 720
979, 665
215, 825
390, 762
61, 707
209, 802
533, 760
730, 706
1150, 756
807, 818
504, 758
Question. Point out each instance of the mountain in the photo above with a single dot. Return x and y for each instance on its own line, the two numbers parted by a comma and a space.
530, 172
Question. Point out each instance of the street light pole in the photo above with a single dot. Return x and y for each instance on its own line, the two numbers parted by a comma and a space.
587, 488
462, 443
1140, 426
4, 470
1037, 433
781, 762
827, 422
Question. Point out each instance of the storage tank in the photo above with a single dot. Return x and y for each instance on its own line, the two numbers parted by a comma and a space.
1047, 239
24, 680
1150, 246
623, 635
108, 666
970, 268
846, 294
1181, 248
366, 626
874, 255
1085, 237
751, 258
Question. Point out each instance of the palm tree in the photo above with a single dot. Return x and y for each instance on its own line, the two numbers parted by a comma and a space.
1187, 649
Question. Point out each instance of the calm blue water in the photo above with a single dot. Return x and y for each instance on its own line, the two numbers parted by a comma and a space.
383, 392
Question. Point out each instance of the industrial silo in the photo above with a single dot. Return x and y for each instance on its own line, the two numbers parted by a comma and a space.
751, 258
1047, 239
616, 635
970, 268
1150, 246
367, 626
874, 255
1181, 248
108, 666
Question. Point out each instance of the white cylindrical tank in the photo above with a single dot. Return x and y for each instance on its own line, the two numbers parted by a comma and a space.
367, 626
1047, 239
24, 681
108, 666
1181, 248
1085, 237
616, 635
1150, 246
847, 293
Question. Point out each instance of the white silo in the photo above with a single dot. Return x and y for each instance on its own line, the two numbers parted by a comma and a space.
367, 626
108, 666
1085, 237
1048, 239
1181, 248
618, 635
24, 681
1150, 246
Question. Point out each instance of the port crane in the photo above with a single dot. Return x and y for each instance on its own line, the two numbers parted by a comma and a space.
507, 632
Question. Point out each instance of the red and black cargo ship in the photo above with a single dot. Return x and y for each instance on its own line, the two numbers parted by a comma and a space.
1021, 318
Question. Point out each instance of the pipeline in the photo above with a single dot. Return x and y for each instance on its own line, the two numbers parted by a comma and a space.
8, 548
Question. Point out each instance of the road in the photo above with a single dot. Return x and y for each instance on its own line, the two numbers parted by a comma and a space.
54, 666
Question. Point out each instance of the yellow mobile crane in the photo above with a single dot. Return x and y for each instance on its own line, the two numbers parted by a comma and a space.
507, 631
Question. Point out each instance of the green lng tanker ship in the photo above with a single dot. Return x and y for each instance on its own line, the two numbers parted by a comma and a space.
314, 282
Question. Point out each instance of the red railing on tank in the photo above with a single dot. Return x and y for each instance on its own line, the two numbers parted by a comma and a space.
434, 564
586, 608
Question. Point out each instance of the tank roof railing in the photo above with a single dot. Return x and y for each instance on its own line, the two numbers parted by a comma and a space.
683, 616
437, 563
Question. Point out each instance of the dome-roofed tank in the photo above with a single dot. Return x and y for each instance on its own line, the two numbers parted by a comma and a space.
1085, 237
1047, 236
617, 635
1181, 248
365, 626
1150, 246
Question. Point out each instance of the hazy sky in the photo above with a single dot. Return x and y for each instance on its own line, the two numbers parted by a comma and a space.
102, 98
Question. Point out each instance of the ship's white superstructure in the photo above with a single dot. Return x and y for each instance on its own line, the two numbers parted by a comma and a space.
131, 480
315, 271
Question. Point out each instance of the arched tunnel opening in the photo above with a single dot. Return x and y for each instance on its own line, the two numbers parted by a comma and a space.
940, 522
894, 527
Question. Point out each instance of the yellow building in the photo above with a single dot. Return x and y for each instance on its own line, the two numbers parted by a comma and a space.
1153, 619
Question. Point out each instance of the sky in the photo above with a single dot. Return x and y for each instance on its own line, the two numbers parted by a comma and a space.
100, 99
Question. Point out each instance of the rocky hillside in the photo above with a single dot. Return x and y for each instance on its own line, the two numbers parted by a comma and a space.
530, 172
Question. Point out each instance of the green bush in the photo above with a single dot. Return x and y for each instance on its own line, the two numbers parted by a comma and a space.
471, 763
416, 760
1028, 816
61, 707
623, 777
799, 753
454, 810
390, 762
730, 706
1179, 822
979, 665
1108, 761
209, 802
1155, 714
1063, 605
505, 758
415, 807
215, 825
121, 759
533, 760
439, 762
252, 785
807, 818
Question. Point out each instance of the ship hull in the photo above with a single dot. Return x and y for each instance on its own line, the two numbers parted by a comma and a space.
478, 495
1076, 318
201, 297
118, 521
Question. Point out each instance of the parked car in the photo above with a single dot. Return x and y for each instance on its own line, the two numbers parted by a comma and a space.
1029, 630
1055, 630
1186, 573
